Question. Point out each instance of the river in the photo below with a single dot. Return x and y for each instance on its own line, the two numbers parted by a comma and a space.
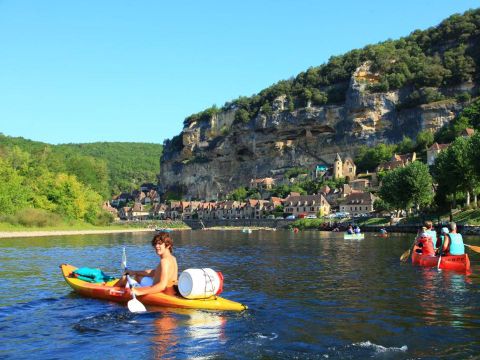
311, 295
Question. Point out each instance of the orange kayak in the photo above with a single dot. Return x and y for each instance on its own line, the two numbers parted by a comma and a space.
459, 263
106, 291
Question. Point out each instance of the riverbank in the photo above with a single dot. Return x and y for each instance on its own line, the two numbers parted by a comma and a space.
37, 233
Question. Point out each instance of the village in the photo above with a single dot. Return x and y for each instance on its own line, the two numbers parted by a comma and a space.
355, 198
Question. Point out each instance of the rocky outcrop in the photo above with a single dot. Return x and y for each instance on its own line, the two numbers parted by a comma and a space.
211, 158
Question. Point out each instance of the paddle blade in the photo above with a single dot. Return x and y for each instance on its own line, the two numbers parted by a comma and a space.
136, 306
124, 260
473, 247
405, 255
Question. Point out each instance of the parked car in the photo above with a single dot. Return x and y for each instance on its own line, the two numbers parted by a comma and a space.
311, 216
271, 217
290, 217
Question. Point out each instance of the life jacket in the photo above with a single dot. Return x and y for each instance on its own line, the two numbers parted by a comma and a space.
433, 235
425, 242
456, 246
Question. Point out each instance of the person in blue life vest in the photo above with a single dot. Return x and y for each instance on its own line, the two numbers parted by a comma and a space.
383, 231
432, 233
453, 242
441, 239
356, 230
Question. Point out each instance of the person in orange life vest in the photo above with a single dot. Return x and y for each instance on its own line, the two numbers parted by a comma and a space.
453, 242
425, 243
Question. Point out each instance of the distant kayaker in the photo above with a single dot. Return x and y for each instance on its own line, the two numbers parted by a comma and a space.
356, 230
163, 277
383, 231
431, 232
453, 242
350, 230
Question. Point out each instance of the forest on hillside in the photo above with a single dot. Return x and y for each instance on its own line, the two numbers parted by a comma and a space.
428, 62
70, 180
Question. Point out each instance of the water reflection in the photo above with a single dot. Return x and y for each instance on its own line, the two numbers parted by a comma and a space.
201, 329
442, 296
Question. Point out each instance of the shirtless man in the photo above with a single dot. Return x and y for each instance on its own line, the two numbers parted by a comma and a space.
163, 277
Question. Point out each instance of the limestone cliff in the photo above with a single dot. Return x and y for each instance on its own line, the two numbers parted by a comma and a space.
211, 158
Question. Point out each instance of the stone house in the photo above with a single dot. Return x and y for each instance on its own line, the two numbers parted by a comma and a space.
189, 209
138, 212
175, 210
306, 204
159, 211
124, 213
397, 161
359, 184
262, 184
358, 203
467, 132
344, 168
433, 151
110, 209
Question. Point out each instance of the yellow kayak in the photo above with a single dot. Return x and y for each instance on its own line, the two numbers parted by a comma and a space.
109, 292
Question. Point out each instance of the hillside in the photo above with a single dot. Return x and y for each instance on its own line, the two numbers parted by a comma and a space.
129, 164
108, 168
378, 94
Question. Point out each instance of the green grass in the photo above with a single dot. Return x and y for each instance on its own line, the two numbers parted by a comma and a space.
4, 226
468, 217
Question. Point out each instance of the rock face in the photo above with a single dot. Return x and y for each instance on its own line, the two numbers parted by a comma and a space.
211, 158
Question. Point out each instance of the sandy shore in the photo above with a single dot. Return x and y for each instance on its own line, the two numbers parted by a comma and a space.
14, 234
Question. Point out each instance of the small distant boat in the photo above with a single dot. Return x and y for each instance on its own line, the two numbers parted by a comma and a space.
384, 235
353, 236
159, 230
247, 231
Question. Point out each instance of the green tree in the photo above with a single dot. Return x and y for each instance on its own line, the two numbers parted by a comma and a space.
13, 194
407, 187
369, 158
424, 140
455, 168
239, 194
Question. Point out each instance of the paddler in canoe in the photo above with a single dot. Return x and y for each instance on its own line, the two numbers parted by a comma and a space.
452, 242
431, 232
161, 279
424, 243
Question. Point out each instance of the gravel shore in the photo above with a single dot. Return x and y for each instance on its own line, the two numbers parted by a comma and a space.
14, 234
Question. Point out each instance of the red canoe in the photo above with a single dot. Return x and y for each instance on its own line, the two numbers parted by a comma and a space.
452, 262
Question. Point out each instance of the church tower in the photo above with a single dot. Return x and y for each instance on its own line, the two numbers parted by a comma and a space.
338, 167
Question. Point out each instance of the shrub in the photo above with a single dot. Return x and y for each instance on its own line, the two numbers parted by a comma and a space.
36, 218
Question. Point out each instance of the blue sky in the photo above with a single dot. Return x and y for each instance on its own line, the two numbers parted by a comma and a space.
124, 70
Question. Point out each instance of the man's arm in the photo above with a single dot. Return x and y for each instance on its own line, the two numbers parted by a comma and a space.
161, 285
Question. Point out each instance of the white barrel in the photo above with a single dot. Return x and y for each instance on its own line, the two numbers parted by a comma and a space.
199, 283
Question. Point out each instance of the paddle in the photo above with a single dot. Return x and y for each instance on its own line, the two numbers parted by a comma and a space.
473, 247
404, 257
439, 260
134, 305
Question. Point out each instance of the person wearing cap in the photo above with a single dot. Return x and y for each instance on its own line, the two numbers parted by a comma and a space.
431, 232
453, 242
441, 239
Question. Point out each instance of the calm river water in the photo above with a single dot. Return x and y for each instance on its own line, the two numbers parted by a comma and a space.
311, 295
